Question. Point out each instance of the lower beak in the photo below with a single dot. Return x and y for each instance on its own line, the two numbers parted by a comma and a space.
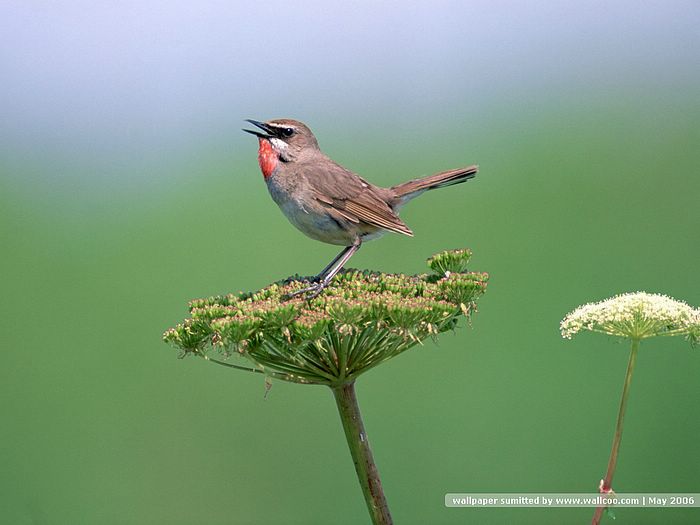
262, 126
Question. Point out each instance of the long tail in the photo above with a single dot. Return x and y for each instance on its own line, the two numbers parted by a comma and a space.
408, 190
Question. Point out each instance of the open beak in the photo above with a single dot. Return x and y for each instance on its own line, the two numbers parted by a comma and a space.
269, 130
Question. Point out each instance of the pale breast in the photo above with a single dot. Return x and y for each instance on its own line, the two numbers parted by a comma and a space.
308, 215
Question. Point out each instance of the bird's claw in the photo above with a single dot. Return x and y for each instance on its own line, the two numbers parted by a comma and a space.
319, 287
316, 288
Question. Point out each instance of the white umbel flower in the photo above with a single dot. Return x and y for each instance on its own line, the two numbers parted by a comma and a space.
637, 315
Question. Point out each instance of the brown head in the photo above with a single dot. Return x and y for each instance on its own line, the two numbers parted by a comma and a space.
282, 140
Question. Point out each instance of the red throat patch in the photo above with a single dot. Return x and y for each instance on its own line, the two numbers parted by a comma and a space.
267, 157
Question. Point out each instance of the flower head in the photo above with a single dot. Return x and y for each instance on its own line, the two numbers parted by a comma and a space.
450, 261
637, 315
362, 319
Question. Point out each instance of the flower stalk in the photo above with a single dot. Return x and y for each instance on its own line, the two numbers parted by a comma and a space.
367, 472
606, 483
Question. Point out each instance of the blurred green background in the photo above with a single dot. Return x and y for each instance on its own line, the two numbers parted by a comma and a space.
127, 189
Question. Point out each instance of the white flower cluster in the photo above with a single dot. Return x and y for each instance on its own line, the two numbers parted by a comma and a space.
636, 315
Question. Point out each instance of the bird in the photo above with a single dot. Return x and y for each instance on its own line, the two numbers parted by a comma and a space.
328, 202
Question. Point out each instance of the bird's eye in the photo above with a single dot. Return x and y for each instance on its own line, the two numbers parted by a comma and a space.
287, 132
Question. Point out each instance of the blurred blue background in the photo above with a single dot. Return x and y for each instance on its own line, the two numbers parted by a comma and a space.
127, 188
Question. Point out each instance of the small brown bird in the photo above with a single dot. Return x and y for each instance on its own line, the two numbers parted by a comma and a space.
328, 202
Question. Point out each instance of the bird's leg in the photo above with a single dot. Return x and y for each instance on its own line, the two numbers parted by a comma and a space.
323, 272
328, 277
330, 271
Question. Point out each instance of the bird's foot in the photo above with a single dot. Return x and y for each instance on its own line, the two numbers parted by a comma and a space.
313, 291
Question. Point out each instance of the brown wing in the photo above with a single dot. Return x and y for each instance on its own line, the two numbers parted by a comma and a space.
354, 198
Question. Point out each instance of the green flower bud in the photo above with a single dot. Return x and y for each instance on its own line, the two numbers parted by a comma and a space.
450, 261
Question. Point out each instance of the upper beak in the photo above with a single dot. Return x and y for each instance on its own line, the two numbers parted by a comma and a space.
268, 129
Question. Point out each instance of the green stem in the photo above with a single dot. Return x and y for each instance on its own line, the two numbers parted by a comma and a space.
367, 472
612, 463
